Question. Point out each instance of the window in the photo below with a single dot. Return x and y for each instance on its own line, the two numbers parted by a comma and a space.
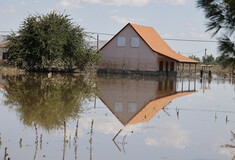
132, 107
135, 42
121, 41
118, 106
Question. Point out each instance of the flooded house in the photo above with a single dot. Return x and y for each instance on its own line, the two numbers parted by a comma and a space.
140, 49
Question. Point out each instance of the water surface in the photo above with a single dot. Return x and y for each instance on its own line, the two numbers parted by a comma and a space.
114, 117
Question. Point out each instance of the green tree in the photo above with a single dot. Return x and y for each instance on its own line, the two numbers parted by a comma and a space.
209, 59
195, 58
221, 18
50, 42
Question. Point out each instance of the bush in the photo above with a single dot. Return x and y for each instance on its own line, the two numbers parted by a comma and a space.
50, 42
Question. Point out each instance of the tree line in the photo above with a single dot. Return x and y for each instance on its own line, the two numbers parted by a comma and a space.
209, 60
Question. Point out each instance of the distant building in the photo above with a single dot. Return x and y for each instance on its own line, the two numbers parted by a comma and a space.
140, 49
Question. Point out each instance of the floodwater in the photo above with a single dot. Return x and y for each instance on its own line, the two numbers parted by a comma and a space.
72, 117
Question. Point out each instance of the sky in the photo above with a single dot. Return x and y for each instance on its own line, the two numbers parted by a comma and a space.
172, 19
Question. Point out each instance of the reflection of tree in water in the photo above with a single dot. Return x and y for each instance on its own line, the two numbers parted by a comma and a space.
48, 102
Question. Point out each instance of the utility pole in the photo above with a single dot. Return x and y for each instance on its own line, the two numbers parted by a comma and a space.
97, 42
205, 56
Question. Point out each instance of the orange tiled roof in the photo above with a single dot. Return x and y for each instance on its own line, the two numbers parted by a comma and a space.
4, 44
154, 107
157, 44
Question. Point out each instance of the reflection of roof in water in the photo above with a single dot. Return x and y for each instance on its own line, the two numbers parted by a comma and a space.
154, 107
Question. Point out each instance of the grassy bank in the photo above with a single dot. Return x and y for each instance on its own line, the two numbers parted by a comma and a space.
216, 69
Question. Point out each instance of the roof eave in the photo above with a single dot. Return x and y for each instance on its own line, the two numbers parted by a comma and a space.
192, 62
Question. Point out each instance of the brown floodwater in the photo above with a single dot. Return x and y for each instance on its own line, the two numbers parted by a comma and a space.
78, 117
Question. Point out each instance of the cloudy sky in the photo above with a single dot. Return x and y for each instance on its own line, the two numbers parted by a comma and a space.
175, 19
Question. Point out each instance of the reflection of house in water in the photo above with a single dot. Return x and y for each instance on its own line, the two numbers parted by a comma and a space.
137, 100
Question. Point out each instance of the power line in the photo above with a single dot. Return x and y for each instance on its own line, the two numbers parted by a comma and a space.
191, 53
188, 40
108, 34
167, 39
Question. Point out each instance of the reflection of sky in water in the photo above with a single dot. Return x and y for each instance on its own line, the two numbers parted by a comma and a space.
198, 132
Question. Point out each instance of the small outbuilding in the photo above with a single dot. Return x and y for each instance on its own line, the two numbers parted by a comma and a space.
140, 49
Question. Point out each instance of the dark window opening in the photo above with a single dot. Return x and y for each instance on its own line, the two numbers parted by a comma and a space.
160, 86
161, 66
166, 85
172, 66
171, 85
166, 66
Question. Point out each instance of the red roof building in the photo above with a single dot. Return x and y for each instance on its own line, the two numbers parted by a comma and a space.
140, 48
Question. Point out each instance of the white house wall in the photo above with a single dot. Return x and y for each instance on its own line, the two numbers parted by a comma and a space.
140, 58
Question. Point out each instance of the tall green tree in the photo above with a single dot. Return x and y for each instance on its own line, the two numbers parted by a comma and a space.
221, 20
50, 42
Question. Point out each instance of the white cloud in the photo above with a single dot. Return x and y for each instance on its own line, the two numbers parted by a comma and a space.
176, 2
107, 125
69, 4
10, 9
117, 2
138, 3
23, 2
169, 135
125, 20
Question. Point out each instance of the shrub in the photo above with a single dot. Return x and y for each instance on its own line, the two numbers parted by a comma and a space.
50, 42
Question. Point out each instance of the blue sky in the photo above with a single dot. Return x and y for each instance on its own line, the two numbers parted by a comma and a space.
171, 18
